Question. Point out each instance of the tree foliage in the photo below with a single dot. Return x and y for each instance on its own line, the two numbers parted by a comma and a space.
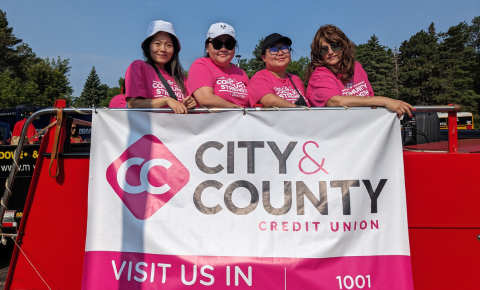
111, 92
93, 93
441, 68
377, 60
27, 79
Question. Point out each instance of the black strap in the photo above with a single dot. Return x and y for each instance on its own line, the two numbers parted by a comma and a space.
165, 84
301, 99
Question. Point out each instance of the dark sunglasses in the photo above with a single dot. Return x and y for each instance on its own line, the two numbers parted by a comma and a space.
74, 128
218, 44
275, 49
335, 46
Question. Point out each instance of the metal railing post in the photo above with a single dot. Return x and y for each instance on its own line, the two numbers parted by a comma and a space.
452, 130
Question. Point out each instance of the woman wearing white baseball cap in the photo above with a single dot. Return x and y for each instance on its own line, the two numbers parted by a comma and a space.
214, 81
159, 81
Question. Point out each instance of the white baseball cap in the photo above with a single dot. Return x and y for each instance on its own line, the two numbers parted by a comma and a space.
159, 25
220, 28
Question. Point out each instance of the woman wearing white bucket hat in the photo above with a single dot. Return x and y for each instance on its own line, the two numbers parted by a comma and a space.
213, 80
159, 81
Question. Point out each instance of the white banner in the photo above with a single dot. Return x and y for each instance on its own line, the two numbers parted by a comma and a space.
266, 200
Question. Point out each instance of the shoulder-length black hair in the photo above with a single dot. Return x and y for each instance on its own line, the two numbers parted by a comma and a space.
173, 67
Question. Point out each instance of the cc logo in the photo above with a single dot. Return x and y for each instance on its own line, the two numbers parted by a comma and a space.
144, 183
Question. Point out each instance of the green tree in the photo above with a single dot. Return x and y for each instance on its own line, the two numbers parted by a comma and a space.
52, 81
13, 91
12, 51
474, 41
25, 78
419, 68
376, 60
112, 92
92, 94
458, 68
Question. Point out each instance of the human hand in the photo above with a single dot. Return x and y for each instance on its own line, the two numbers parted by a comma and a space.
189, 102
176, 106
399, 107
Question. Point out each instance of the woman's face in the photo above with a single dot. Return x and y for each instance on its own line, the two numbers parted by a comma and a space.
221, 57
161, 48
332, 58
279, 61
74, 130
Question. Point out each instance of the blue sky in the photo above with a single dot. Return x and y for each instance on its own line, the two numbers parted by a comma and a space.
108, 34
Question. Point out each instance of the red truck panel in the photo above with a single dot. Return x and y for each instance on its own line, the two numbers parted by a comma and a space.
443, 206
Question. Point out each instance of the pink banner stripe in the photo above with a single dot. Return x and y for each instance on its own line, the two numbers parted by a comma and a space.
117, 270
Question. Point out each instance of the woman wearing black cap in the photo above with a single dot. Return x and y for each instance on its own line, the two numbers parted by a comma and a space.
273, 86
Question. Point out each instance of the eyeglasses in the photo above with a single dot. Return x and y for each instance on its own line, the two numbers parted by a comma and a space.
74, 128
275, 49
335, 46
218, 44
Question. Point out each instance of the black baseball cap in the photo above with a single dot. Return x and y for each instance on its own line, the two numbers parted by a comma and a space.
273, 38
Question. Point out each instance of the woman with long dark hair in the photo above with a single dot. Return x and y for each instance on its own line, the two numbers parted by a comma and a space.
159, 81
215, 82
336, 79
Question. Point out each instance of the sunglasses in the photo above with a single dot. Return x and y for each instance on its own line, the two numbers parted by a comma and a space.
218, 44
74, 128
335, 46
275, 49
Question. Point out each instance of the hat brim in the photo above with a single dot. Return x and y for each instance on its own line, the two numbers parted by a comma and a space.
171, 35
221, 35
283, 39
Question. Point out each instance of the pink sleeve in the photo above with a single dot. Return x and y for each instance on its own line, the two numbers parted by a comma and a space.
321, 87
135, 81
199, 76
364, 77
258, 87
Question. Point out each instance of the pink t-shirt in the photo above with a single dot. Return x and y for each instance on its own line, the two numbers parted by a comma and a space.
141, 80
264, 82
228, 83
118, 102
323, 85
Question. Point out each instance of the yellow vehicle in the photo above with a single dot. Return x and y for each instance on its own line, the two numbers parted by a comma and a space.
464, 120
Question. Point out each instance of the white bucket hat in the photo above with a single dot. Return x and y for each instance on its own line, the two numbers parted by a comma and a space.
220, 28
159, 25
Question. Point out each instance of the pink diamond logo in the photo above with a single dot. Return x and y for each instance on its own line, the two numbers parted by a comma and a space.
146, 176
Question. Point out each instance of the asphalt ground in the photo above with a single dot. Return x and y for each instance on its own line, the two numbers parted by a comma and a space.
5, 256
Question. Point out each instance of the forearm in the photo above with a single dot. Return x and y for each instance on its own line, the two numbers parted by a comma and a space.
214, 101
272, 100
355, 101
397, 106
147, 103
